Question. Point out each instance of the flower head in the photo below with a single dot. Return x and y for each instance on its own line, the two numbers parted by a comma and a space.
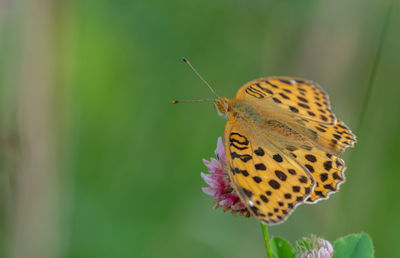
219, 184
313, 247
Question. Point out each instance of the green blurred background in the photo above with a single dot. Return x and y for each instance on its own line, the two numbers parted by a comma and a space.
97, 162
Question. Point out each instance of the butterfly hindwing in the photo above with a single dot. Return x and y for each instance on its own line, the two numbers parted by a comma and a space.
333, 138
270, 183
326, 169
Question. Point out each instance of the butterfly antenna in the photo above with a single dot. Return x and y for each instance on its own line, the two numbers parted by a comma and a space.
201, 78
192, 101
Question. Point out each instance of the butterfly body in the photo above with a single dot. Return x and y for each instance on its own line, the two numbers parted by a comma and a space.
266, 122
281, 142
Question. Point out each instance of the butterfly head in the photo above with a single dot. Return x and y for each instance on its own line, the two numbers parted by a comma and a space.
222, 105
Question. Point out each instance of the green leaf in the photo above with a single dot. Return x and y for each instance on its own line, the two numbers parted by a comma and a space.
354, 246
282, 248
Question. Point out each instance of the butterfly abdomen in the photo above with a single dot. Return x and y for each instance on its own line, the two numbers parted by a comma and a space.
279, 128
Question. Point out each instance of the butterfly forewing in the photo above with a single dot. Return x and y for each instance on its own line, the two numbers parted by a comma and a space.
302, 98
270, 183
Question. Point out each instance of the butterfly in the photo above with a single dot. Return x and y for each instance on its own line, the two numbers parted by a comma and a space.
282, 143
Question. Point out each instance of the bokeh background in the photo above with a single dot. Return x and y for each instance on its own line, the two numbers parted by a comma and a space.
95, 161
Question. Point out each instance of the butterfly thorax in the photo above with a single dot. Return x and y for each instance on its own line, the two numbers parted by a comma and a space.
273, 126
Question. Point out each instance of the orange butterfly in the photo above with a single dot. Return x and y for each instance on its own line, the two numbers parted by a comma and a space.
281, 144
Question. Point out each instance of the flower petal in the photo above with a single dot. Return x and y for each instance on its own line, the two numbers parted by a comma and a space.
226, 202
323, 253
214, 166
209, 191
220, 151
219, 183
238, 206
208, 179
325, 244
215, 181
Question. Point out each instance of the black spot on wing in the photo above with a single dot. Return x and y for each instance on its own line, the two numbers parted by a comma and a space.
243, 157
277, 158
259, 152
257, 179
240, 171
276, 100
274, 184
282, 176
311, 158
293, 109
247, 192
285, 81
260, 166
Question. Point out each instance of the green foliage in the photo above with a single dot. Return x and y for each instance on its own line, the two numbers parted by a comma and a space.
282, 248
351, 246
130, 160
306, 243
354, 246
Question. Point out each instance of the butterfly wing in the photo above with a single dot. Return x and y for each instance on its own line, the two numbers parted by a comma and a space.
326, 169
268, 182
299, 97
331, 138
304, 104
304, 107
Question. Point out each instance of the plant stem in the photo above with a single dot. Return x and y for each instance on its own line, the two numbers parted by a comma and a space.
375, 65
359, 130
267, 242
